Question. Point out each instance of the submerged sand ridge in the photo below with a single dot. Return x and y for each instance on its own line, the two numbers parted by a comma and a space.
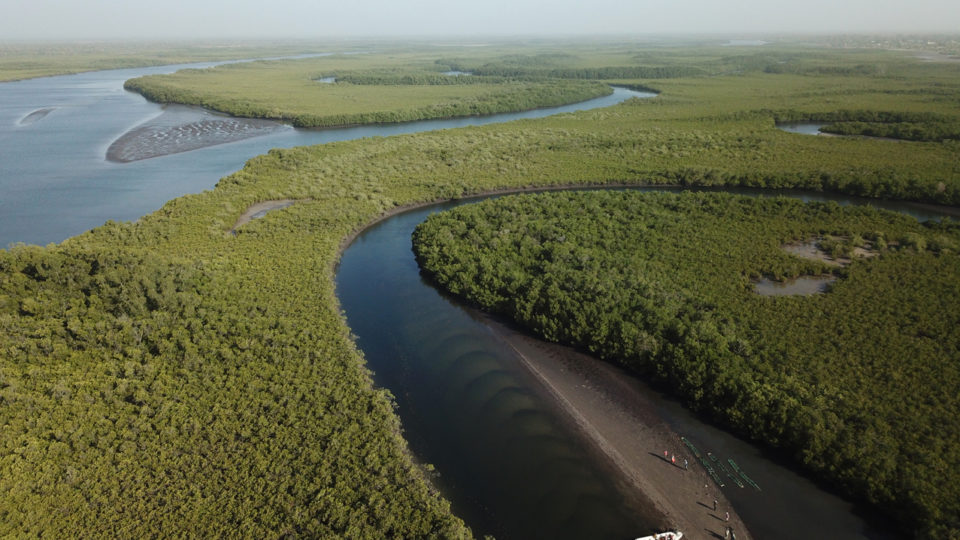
181, 129
36, 116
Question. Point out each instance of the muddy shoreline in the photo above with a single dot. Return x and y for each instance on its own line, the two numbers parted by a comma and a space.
624, 428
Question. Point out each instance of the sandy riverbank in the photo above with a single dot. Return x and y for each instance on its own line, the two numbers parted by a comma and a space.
616, 417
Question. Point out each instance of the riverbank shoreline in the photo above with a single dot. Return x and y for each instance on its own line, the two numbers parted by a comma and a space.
614, 416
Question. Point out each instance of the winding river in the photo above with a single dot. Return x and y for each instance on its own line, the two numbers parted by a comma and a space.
508, 462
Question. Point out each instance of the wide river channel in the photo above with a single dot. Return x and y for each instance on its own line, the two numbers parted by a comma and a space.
511, 465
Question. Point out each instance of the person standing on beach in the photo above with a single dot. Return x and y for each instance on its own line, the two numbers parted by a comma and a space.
714, 505
686, 465
728, 516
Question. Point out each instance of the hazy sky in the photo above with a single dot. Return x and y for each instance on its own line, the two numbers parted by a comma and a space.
93, 19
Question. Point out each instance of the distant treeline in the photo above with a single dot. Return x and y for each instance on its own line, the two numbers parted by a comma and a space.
420, 78
592, 73
796, 63
861, 385
800, 69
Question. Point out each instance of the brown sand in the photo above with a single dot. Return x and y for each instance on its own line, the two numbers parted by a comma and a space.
619, 419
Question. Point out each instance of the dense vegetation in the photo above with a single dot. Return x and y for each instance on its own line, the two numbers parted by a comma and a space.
861, 385
927, 131
141, 396
533, 67
364, 92
168, 369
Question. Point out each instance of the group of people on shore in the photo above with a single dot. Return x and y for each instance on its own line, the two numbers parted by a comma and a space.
728, 532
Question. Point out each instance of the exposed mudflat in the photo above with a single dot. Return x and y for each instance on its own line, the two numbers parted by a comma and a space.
181, 129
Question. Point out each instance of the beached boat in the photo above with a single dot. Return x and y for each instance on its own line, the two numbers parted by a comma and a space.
672, 535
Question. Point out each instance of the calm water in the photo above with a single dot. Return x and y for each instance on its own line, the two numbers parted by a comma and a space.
55, 181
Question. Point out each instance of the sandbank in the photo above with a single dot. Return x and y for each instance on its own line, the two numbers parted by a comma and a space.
181, 129
621, 422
